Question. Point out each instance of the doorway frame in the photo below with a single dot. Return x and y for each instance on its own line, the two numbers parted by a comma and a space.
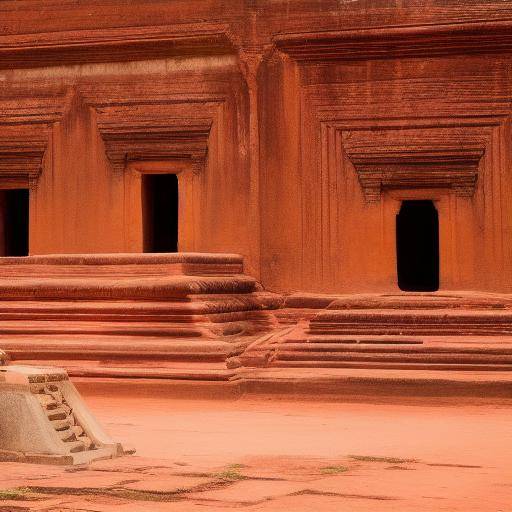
443, 202
134, 222
27, 183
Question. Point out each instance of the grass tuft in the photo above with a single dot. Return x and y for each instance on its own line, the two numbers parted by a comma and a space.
333, 470
231, 473
21, 493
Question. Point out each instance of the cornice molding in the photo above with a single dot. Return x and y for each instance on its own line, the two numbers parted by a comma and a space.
114, 45
392, 42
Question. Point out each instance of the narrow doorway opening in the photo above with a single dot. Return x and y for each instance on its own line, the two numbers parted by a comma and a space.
160, 212
14, 215
417, 246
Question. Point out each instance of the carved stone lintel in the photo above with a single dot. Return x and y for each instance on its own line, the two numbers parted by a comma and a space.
381, 163
22, 151
130, 141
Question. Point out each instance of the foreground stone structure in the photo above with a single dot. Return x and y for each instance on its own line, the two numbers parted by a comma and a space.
44, 419
355, 154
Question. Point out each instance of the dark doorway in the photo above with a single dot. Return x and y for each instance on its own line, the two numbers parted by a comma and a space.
14, 222
417, 246
160, 212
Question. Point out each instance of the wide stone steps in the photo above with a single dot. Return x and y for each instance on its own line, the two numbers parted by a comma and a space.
331, 350
130, 308
418, 331
454, 352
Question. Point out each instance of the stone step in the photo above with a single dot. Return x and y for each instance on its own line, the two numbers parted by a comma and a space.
123, 265
187, 373
455, 300
410, 324
369, 384
67, 435
391, 365
136, 348
75, 446
160, 329
299, 336
336, 340
112, 288
427, 357
373, 348
185, 310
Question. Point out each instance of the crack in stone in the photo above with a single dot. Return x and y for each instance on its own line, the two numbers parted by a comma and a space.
312, 492
454, 465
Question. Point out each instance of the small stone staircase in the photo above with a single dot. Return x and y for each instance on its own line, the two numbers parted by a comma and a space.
438, 331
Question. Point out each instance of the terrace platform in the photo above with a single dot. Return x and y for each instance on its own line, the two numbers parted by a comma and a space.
132, 315
195, 324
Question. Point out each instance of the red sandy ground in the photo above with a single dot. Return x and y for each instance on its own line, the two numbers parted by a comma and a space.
269, 455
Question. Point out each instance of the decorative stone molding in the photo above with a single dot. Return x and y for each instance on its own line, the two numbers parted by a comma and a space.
26, 123
132, 141
114, 45
21, 155
393, 167
386, 42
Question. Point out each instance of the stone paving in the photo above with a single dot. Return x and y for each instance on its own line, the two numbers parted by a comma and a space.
268, 455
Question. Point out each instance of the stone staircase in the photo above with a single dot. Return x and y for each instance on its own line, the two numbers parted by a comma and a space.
134, 315
438, 331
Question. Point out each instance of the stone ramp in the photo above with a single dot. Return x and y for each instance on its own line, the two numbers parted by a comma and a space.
99, 313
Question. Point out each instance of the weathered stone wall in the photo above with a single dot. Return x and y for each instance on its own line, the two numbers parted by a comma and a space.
296, 129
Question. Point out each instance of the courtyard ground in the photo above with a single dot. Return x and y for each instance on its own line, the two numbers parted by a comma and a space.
276, 455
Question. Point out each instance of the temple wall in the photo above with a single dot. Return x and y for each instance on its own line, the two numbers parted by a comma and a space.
82, 203
278, 118
340, 240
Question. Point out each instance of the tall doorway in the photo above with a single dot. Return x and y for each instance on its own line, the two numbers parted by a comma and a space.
14, 222
160, 212
417, 246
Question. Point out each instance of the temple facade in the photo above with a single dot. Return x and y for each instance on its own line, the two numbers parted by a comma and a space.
354, 154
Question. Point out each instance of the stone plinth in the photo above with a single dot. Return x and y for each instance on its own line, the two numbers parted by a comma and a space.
43, 419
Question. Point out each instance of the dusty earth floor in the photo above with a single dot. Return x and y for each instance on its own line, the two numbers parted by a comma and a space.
269, 455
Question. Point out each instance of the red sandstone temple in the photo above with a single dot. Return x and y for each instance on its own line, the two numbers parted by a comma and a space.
259, 193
